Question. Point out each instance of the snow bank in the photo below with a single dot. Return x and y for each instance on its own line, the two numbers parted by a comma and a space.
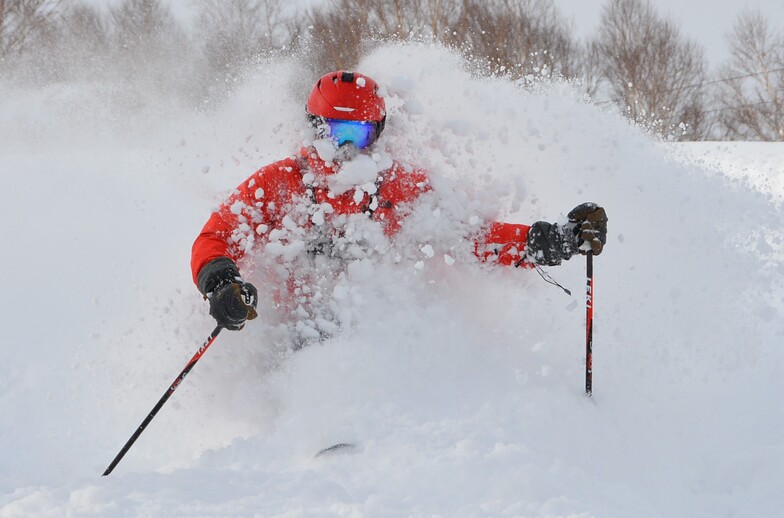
460, 384
760, 165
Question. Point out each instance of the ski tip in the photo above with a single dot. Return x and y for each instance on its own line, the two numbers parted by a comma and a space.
337, 448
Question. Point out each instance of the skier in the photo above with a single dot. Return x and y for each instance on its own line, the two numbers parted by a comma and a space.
348, 115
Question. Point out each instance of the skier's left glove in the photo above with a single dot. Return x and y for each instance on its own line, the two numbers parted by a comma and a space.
232, 300
588, 223
550, 243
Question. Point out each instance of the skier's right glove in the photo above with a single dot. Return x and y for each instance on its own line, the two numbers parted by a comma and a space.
232, 300
549, 243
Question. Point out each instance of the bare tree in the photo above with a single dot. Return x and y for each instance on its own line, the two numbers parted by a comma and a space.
86, 23
336, 36
520, 38
399, 18
591, 67
24, 23
653, 72
406, 19
77, 44
751, 95
85, 38
141, 23
232, 32
148, 40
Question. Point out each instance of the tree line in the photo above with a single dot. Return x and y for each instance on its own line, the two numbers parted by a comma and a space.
638, 61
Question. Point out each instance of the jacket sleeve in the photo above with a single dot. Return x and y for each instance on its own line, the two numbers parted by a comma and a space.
504, 243
397, 193
232, 229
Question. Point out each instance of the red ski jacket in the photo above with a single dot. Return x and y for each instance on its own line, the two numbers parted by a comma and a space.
260, 204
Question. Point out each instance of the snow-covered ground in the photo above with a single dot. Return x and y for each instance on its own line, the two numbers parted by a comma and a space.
460, 384
760, 165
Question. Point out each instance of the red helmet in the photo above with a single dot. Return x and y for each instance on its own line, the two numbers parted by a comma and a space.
347, 96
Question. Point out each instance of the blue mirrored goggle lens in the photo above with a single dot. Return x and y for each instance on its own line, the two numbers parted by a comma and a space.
362, 134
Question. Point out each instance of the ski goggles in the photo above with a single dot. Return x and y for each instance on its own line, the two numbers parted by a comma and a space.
361, 134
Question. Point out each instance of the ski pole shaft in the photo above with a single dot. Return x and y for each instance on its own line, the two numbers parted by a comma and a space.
589, 325
163, 399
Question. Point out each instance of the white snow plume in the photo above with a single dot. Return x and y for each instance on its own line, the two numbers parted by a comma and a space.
460, 384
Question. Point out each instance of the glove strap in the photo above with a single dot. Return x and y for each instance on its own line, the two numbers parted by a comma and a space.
217, 273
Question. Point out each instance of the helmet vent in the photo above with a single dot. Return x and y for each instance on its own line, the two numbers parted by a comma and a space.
347, 77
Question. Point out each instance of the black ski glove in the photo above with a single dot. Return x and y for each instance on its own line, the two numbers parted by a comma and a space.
550, 243
232, 300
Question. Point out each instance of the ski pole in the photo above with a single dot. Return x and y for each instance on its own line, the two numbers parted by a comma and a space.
589, 325
163, 399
